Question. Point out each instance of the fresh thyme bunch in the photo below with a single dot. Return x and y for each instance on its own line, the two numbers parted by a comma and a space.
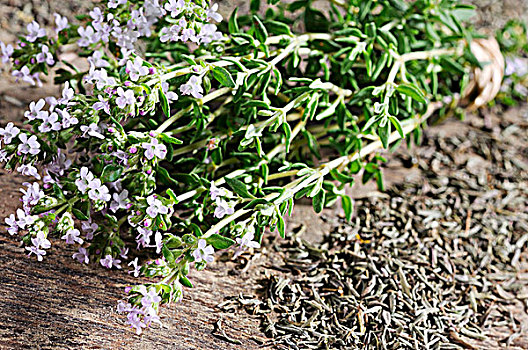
189, 135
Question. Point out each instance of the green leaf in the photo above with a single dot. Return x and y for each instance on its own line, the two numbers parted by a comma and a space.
238, 187
384, 133
281, 226
79, 214
111, 173
185, 281
260, 31
346, 202
164, 103
219, 241
397, 125
233, 25
169, 139
223, 77
278, 28
167, 254
318, 201
413, 91
164, 176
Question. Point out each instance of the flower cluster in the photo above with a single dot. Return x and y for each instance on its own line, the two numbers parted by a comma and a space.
179, 141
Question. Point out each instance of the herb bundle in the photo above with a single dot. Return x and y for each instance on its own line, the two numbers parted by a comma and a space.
190, 134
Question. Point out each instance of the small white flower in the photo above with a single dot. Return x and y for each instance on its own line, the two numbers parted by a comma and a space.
175, 7
85, 177
6, 51
134, 263
193, 87
11, 221
34, 32
28, 144
82, 256
120, 201
24, 220
97, 61
136, 69
125, 98
93, 130
73, 236
204, 252
61, 22
35, 110
67, 119
98, 191
50, 122
154, 149
45, 56
155, 207
223, 208
212, 13
216, 192
9, 132
28, 170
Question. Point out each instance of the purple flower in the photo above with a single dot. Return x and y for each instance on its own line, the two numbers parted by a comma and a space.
137, 269
171, 33
97, 61
193, 87
102, 104
25, 75
246, 241
135, 69
34, 32
151, 297
5, 52
35, 110
223, 208
88, 36
98, 191
216, 192
175, 7
171, 96
28, 170
67, 119
110, 262
208, 33
67, 94
50, 122
32, 194
100, 78
120, 201
204, 252
85, 177
144, 237
40, 241
154, 149
97, 15
115, 3
123, 252
72, 236
45, 56
93, 130
61, 22
212, 13
28, 145
82, 256
9, 132
12, 223
125, 97
155, 207
89, 227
